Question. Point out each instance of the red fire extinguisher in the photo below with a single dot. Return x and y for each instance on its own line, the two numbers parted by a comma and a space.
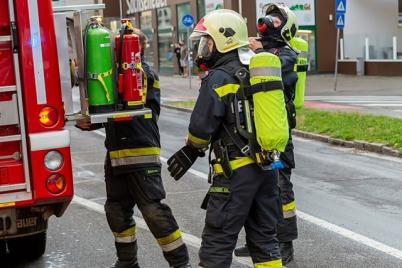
128, 54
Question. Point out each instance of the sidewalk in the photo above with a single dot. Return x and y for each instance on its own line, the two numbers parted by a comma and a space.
177, 88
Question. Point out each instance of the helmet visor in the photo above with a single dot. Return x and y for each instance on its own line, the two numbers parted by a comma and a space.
205, 47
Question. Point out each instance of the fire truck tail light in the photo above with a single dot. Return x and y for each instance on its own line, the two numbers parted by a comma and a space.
55, 184
53, 160
48, 116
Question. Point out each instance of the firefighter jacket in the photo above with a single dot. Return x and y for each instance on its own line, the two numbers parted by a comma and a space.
136, 143
214, 113
213, 103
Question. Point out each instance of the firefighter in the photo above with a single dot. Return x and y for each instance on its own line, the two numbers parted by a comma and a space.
277, 29
133, 177
242, 193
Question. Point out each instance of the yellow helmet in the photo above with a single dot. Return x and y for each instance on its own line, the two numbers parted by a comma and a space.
227, 28
290, 28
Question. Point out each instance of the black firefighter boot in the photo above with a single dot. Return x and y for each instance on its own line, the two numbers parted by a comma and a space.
287, 252
126, 255
242, 251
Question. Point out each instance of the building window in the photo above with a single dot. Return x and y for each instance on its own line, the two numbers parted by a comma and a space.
165, 39
146, 27
400, 13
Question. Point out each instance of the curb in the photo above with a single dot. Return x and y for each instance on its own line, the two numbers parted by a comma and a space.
373, 147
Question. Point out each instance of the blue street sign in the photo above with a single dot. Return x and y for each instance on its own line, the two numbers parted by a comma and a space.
187, 20
340, 21
340, 6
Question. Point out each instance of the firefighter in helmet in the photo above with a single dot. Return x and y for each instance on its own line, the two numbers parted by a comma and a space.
133, 177
242, 193
277, 29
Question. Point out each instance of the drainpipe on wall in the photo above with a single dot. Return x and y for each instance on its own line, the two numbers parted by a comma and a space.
394, 48
241, 7
367, 46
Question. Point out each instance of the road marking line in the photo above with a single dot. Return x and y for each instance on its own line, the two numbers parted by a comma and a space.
322, 223
189, 239
352, 151
351, 235
332, 227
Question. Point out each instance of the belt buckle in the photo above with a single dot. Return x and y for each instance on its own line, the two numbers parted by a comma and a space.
245, 149
93, 76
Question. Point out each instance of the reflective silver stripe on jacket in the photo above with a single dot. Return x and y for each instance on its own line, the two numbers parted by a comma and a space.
132, 160
265, 71
173, 245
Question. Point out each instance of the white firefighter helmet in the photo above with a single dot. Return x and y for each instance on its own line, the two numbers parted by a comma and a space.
227, 28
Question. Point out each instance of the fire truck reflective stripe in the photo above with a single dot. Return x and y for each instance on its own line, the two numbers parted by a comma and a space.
269, 264
9, 204
36, 44
149, 159
49, 140
14, 197
134, 152
127, 236
171, 242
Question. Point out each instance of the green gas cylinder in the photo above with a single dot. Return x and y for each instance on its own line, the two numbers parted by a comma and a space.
99, 67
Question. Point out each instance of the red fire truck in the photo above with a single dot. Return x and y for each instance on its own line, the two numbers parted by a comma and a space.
35, 162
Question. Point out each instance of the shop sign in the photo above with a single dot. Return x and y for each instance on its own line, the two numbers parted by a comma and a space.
135, 6
304, 10
211, 5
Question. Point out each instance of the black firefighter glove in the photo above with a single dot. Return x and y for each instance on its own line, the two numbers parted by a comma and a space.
182, 160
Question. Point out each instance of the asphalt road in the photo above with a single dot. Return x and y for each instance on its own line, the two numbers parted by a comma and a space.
350, 207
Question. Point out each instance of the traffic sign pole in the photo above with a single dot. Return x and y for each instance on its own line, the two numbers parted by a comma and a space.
336, 58
340, 7
189, 56
188, 21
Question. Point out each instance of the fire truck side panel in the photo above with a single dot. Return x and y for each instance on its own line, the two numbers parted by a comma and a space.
41, 144
4, 18
6, 63
38, 62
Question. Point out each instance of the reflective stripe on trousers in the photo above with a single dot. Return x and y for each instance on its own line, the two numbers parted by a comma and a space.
171, 242
289, 210
127, 236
